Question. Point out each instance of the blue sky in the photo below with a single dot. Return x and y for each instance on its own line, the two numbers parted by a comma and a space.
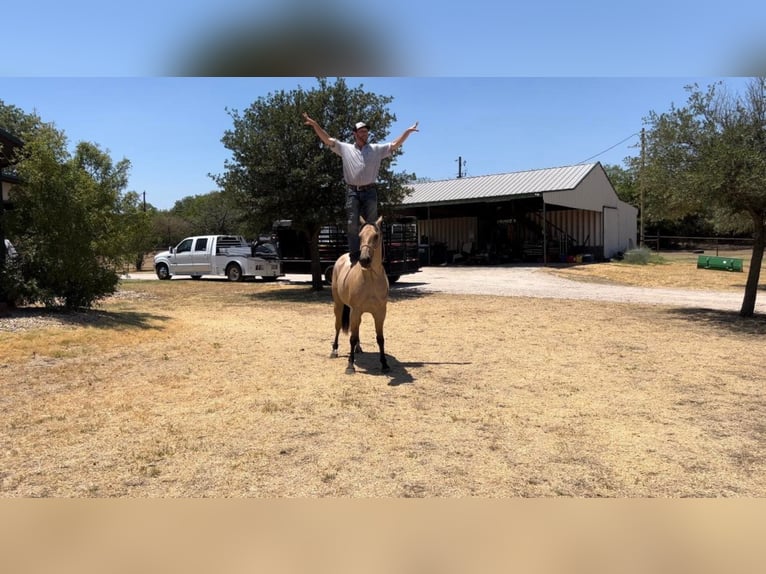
408, 37
170, 128
505, 85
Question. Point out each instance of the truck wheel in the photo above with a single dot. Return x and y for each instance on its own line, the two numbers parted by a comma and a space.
162, 271
234, 272
328, 274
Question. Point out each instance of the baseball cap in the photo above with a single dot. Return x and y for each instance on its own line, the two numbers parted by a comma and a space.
360, 125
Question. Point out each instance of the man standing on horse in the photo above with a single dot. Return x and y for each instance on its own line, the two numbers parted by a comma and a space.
361, 163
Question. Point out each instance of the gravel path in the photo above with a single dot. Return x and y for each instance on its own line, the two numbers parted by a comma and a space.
496, 280
532, 281
536, 282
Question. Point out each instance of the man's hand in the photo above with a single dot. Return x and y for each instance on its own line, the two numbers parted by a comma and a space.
405, 134
326, 139
309, 121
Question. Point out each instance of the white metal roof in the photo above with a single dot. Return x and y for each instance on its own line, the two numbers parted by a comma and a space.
498, 186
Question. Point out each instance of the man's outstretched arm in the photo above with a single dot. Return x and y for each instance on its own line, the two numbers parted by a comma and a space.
400, 140
323, 135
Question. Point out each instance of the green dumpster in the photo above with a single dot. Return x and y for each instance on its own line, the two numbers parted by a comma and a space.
722, 263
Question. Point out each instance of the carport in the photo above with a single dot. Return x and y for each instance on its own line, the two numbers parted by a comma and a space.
569, 213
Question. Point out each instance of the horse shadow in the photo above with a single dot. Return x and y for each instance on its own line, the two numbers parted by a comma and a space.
400, 373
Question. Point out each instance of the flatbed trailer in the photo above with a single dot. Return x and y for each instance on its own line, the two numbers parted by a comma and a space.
400, 248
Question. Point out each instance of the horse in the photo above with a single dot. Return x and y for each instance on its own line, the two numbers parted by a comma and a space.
359, 288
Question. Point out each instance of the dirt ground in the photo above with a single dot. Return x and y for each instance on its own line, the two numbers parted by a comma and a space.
210, 389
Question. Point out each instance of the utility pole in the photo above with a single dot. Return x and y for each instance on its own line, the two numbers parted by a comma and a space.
460, 164
641, 188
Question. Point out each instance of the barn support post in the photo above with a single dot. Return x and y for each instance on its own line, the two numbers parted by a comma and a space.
545, 234
428, 247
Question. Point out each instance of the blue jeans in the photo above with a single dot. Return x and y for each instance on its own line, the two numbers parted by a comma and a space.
364, 203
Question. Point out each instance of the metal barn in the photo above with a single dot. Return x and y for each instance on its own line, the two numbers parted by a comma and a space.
558, 214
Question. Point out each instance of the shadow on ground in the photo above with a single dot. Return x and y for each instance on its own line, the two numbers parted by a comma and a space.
724, 320
98, 319
301, 292
400, 373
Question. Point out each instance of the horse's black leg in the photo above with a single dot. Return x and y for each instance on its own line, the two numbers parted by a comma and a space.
382, 346
334, 352
354, 342
380, 317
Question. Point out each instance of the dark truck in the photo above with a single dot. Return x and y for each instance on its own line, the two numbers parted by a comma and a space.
400, 247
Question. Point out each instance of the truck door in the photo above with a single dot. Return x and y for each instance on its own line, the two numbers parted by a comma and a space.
201, 256
181, 262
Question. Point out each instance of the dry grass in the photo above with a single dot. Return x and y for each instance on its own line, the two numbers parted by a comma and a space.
668, 269
212, 389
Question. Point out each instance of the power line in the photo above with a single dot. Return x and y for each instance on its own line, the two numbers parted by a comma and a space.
612, 147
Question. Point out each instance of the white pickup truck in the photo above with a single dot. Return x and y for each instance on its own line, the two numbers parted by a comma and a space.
224, 255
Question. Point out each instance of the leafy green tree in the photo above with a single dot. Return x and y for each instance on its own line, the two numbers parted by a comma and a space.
136, 238
67, 219
211, 213
627, 185
280, 170
18, 122
624, 182
710, 157
168, 229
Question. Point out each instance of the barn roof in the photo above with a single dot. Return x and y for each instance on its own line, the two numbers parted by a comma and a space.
497, 187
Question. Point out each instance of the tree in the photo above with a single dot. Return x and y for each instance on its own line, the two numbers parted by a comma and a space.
710, 157
211, 213
168, 229
136, 238
14, 123
279, 169
67, 219
626, 183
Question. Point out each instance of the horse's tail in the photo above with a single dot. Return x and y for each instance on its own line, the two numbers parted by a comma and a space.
346, 318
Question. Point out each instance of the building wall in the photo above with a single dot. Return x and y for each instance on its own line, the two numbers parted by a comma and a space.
576, 215
593, 193
452, 231
584, 226
628, 226
617, 231
583, 230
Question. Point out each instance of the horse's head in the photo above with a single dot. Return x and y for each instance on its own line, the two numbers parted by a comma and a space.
370, 238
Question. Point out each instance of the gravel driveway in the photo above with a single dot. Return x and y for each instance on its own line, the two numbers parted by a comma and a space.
531, 281
534, 281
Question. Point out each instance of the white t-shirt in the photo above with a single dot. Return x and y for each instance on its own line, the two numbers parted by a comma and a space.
361, 166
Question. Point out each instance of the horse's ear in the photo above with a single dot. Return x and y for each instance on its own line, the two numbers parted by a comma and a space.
379, 221
362, 221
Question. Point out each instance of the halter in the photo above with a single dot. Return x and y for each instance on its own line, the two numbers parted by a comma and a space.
371, 246
377, 235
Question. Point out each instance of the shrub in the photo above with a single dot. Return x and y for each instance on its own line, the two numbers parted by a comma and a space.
640, 256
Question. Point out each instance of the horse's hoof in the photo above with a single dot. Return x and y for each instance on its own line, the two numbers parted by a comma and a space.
350, 370
334, 355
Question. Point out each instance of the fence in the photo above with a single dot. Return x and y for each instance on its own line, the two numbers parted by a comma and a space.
683, 243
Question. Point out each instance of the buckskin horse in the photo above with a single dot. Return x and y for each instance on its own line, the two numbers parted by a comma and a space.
361, 288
